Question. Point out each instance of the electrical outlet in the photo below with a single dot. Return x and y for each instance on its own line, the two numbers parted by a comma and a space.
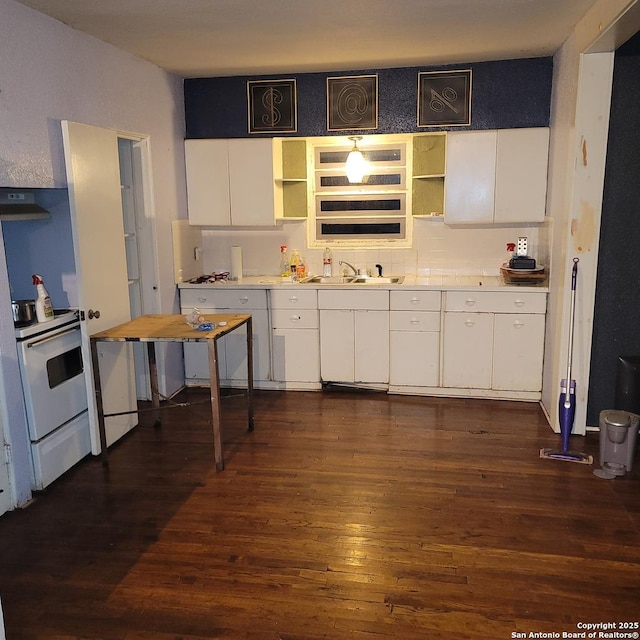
521, 249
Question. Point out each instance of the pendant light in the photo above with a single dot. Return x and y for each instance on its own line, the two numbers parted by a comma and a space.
357, 165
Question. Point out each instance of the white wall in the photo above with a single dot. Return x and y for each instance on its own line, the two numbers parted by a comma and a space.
437, 249
50, 73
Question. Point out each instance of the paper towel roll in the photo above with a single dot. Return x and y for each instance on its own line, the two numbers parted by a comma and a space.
236, 263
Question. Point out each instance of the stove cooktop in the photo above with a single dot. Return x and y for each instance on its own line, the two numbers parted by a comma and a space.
60, 318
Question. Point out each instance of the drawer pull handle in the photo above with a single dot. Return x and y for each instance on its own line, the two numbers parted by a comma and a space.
244, 300
470, 302
202, 299
414, 321
415, 300
295, 318
519, 303
293, 299
518, 325
469, 323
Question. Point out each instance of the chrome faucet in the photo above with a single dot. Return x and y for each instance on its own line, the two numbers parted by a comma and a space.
356, 272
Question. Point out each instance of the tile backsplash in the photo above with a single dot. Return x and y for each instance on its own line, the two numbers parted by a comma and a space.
437, 249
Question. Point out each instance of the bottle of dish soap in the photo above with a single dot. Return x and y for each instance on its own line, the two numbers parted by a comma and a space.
44, 309
285, 270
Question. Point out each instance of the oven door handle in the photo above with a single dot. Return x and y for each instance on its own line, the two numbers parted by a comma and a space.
37, 343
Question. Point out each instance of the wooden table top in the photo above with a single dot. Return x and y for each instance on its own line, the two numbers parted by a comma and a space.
170, 328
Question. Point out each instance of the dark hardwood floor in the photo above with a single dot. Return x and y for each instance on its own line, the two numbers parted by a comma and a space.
344, 515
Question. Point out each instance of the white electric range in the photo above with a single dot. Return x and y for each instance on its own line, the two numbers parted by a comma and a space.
55, 395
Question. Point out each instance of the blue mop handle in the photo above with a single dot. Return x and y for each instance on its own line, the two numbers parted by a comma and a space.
574, 280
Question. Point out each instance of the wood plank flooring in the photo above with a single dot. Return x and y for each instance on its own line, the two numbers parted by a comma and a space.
344, 515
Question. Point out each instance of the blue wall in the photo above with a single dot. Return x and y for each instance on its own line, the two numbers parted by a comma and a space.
505, 94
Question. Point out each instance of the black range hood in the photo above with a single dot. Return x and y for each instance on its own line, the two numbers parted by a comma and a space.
20, 204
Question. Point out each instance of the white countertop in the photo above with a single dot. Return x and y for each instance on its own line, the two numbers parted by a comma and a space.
440, 282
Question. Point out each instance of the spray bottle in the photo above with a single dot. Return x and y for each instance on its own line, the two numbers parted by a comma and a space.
44, 309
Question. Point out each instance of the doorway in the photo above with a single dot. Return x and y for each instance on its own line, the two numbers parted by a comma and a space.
139, 239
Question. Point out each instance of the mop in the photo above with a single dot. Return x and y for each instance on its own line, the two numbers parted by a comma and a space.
567, 402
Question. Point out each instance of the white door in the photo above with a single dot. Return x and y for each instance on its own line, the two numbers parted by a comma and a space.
5, 488
93, 176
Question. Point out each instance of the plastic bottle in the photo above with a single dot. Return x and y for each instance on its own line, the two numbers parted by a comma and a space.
44, 309
327, 263
301, 270
295, 260
285, 270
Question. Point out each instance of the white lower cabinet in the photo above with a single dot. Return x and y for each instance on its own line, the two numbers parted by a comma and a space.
232, 348
354, 336
467, 350
414, 338
451, 343
518, 346
295, 338
499, 346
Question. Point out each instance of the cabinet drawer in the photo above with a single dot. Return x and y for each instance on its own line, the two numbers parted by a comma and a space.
227, 299
298, 299
415, 321
349, 299
496, 302
294, 318
415, 300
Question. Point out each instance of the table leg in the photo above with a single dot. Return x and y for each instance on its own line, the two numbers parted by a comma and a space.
216, 414
250, 372
153, 379
99, 407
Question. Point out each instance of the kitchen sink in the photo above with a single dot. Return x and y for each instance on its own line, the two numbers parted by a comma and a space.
353, 280
378, 280
329, 280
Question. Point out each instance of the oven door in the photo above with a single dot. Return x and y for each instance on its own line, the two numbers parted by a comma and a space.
52, 379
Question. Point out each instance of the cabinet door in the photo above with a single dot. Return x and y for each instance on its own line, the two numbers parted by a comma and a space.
521, 175
196, 361
337, 345
251, 182
296, 355
470, 177
207, 166
467, 350
518, 352
414, 358
371, 346
235, 345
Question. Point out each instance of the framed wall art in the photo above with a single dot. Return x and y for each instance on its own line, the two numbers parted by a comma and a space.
444, 98
272, 106
352, 103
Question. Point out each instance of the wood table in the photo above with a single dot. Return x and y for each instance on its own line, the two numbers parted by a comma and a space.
174, 328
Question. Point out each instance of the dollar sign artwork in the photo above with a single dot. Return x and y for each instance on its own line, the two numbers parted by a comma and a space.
270, 99
272, 105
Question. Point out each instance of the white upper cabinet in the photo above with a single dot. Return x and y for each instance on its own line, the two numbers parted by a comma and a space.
231, 182
496, 176
521, 175
470, 177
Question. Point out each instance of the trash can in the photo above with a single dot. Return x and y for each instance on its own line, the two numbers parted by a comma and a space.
618, 433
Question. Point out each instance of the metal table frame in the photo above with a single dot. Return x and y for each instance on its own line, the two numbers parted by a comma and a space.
173, 328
